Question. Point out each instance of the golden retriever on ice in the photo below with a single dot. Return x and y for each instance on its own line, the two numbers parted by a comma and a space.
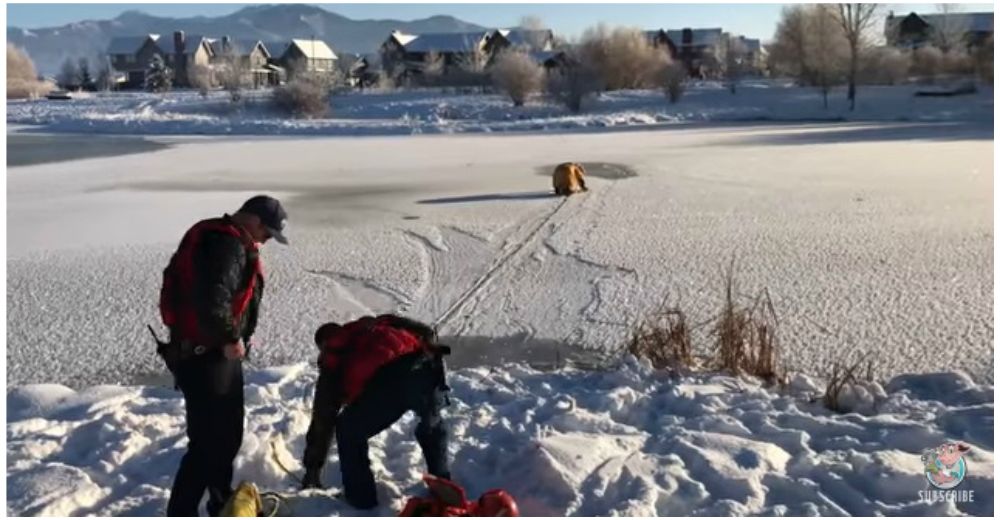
567, 179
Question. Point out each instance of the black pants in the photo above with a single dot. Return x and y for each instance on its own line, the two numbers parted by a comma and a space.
414, 382
213, 397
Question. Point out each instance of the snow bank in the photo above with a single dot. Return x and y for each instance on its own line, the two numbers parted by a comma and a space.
428, 111
628, 441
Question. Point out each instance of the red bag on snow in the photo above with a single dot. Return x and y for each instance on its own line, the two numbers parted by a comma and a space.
448, 499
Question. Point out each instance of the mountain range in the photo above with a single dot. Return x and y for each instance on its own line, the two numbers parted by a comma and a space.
50, 47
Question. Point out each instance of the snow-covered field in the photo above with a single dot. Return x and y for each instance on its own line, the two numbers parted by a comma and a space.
627, 441
415, 112
872, 238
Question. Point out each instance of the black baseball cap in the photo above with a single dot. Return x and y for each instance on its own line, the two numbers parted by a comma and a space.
272, 215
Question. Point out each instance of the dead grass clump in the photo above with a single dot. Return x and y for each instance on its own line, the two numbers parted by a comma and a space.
842, 377
664, 338
746, 338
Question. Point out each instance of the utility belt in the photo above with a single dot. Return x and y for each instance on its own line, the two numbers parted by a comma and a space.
177, 351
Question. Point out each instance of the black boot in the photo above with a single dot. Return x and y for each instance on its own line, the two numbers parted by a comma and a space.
311, 480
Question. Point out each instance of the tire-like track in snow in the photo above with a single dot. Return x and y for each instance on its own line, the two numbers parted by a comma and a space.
507, 254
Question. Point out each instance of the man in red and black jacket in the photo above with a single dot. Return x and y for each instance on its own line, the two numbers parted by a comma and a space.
372, 371
210, 298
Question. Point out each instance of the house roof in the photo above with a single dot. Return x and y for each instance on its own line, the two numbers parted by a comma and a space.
752, 44
313, 49
542, 56
242, 47
191, 43
402, 38
518, 37
699, 37
974, 22
129, 44
445, 42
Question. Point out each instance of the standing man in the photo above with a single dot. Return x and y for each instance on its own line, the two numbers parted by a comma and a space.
210, 299
371, 372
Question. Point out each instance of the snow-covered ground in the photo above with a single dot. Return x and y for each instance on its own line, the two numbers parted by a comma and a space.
872, 238
415, 112
627, 442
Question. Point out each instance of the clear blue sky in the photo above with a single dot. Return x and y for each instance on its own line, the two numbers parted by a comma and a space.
753, 20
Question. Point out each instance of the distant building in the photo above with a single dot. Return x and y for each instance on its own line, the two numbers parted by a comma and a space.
917, 30
308, 56
187, 52
407, 54
527, 40
263, 64
251, 56
697, 49
659, 39
131, 55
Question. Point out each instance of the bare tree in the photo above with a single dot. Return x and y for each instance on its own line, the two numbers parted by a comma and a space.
983, 57
306, 96
472, 64
927, 63
674, 76
433, 67
732, 57
788, 53
518, 75
85, 77
826, 47
534, 29
233, 73
957, 62
623, 57
573, 83
949, 29
22, 79
69, 74
105, 77
884, 65
200, 77
856, 20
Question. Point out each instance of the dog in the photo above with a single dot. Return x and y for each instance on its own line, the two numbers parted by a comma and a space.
567, 179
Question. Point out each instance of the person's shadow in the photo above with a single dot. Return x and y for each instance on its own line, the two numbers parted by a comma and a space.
526, 195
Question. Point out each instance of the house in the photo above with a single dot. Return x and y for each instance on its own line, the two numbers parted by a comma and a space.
697, 48
252, 57
530, 40
917, 30
407, 54
187, 52
131, 55
359, 70
660, 40
312, 56
754, 57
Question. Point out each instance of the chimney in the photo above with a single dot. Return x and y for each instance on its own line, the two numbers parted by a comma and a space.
225, 44
687, 36
178, 42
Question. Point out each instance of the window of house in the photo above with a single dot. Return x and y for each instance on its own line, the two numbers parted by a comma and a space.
130, 58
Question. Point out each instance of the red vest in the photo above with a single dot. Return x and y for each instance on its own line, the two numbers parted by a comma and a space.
361, 347
176, 306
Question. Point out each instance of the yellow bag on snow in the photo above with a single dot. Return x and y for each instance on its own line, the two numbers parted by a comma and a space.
244, 502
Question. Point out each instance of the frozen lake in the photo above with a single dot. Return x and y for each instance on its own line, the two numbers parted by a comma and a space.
872, 238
